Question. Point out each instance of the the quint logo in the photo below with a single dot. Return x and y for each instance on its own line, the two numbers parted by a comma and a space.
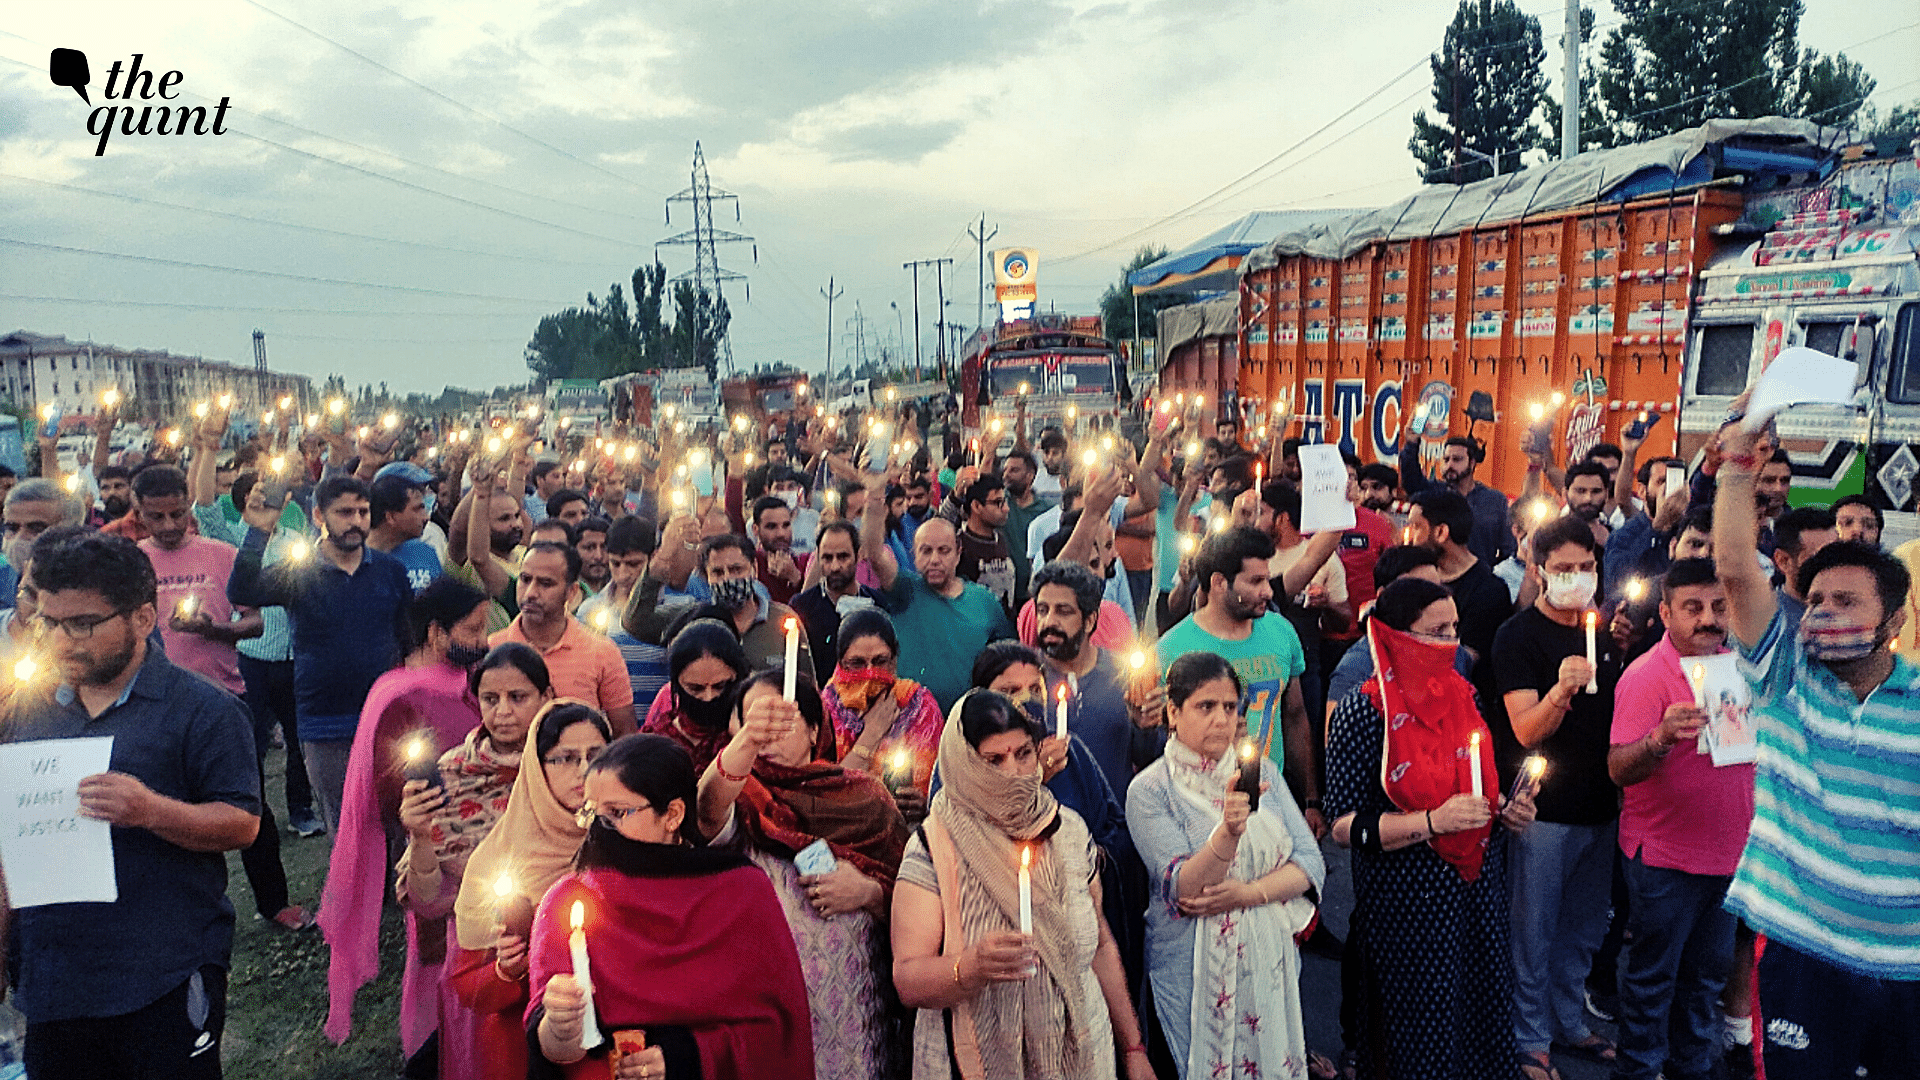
68, 67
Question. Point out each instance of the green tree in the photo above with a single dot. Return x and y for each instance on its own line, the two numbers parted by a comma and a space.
1832, 90
1117, 303
1904, 120
1487, 86
611, 336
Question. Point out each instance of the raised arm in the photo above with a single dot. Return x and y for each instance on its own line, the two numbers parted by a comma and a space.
1736, 536
480, 529
873, 530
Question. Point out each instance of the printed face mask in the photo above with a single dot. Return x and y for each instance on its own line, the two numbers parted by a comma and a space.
733, 593
1575, 590
1829, 638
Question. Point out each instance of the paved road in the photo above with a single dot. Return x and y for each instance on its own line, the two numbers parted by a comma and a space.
1320, 978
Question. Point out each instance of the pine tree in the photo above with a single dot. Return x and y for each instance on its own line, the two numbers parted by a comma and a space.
1487, 86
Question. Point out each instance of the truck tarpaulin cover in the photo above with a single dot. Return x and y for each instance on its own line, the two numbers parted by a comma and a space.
1218, 317
1438, 209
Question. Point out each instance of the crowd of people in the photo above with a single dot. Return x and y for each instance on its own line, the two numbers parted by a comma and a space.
866, 746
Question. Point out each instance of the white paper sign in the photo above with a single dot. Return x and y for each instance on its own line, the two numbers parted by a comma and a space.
1729, 732
1323, 490
1800, 376
52, 855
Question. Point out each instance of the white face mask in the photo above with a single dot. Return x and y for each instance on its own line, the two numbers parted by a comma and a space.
790, 497
1569, 591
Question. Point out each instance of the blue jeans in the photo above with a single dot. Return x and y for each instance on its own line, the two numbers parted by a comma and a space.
1678, 954
1820, 1020
1562, 880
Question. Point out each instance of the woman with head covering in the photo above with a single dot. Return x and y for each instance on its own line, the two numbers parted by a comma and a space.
530, 847
876, 716
787, 797
425, 705
706, 662
1232, 885
1430, 913
693, 971
1011, 981
446, 820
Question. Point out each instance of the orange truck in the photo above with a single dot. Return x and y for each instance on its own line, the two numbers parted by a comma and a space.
1652, 281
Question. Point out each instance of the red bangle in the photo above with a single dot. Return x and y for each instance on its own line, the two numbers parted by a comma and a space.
725, 775
1137, 1048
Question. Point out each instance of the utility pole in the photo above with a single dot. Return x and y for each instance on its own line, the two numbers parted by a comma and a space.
831, 294
980, 285
1570, 91
915, 267
703, 238
940, 285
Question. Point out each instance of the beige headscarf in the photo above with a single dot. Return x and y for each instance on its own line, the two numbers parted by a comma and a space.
988, 817
534, 842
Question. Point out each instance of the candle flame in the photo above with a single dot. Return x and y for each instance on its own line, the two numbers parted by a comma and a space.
25, 669
110, 398
266, 418
417, 748
173, 438
1636, 589
1106, 443
226, 401
336, 406
1026, 857
1138, 659
1535, 766
1699, 674
1193, 448
601, 618
46, 413
1246, 750
902, 760
1166, 406
286, 401
313, 419
1473, 741
73, 482
1593, 617
579, 916
1188, 543
793, 625
390, 421
1089, 459
277, 462
1061, 693
503, 886
200, 410
1023, 388
1540, 511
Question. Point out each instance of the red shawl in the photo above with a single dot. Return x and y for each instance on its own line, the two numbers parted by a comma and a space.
791, 807
1429, 719
704, 947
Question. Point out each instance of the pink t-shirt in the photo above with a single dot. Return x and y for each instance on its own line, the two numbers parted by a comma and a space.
1689, 815
200, 569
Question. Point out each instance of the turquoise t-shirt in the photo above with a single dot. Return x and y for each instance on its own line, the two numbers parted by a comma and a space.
939, 637
1266, 661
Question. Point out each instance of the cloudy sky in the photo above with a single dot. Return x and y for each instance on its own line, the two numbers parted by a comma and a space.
409, 186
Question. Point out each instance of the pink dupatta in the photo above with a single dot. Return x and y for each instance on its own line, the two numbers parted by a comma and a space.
400, 703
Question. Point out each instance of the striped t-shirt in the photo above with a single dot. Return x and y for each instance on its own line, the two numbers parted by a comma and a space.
1832, 863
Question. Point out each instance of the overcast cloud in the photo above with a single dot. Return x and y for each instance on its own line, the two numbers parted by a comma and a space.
857, 135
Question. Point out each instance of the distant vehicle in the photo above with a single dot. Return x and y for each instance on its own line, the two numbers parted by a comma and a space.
1061, 364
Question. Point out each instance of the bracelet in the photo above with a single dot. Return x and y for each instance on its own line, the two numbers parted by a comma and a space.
1216, 854
725, 775
956, 973
1136, 1048
1431, 831
1655, 748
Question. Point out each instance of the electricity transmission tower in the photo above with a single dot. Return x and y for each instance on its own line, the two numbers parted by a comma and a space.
707, 271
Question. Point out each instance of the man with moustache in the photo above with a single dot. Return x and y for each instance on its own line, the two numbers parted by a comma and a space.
581, 663
836, 555
116, 491
348, 605
1066, 609
32, 507
135, 987
1491, 540
1024, 505
978, 511
1588, 485
1683, 823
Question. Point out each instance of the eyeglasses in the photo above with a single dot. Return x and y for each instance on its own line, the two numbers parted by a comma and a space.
572, 759
79, 627
611, 817
861, 663
31, 528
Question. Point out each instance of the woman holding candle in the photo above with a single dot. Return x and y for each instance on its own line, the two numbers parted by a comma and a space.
1045, 999
530, 847
688, 952
875, 714
706, 662
446, 821
1233, 886
786, 795
1430, 885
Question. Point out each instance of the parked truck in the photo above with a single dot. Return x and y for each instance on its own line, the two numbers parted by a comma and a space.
1655, 280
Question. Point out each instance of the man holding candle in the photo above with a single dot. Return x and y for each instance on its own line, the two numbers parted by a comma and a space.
1682, 824
582, 664
1563, 865
1827, 874
1085, 682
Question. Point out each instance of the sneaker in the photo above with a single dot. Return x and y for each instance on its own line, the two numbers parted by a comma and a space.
304, 823
294, 917
1602, 1006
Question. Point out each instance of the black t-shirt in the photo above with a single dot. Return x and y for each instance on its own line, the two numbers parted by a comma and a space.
988, 562
1485, 603
1576, 789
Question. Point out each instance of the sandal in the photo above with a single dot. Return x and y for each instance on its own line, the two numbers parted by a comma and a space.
1593, 1048
1538, 1066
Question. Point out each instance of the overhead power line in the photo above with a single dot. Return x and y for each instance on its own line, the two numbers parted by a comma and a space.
272, 273
461, 105
102, 301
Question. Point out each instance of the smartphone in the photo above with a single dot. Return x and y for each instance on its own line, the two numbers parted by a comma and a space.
273, 493
1676, 479
700, 474
878, 448
1641, 425
815, 858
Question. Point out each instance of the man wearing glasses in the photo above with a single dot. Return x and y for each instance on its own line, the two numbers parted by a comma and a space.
978, 508
136, 987
32, 507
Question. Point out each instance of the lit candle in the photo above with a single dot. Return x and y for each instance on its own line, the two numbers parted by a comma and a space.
793, 656
1473, 763
1593, 651
1259, 474
184, 609
1698, 676
73, 482
1026, 889
173, 437
1529, 776
313, 419
336, 407
200, 410
1060, 713
899, 771
514, 911
1541, 510
1250, 775
1188, 544
583, 974
1023, 389
390, 421
1406, 536
286, 402
1138, 662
